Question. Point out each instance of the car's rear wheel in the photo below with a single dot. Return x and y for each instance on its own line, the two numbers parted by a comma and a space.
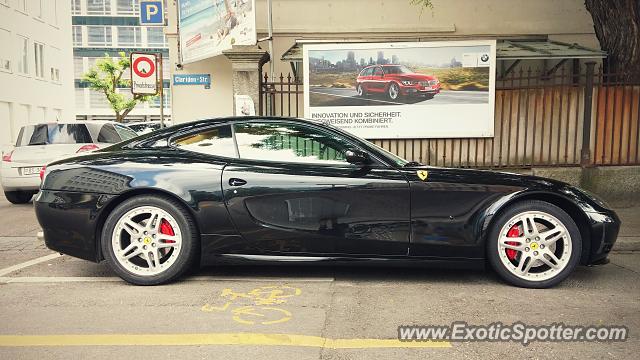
394, 91
534, 244
19, 197
149, 240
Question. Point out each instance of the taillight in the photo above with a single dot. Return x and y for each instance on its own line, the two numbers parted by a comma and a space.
89, 147
7, 157
42, 172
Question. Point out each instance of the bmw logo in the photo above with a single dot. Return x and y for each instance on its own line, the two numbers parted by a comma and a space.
484, 57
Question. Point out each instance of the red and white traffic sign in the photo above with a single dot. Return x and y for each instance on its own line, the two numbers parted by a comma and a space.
144, 74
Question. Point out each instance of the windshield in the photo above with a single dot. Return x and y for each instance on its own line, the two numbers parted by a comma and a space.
397, 69
44, 134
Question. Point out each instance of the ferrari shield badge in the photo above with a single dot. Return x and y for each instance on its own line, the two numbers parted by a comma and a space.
422, 174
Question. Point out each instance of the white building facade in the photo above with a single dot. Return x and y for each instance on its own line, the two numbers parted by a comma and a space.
36, 67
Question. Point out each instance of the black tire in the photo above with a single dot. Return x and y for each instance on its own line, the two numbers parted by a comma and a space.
190, 239
19, 197
533, 205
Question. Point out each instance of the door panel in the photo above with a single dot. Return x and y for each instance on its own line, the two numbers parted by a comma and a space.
311, 209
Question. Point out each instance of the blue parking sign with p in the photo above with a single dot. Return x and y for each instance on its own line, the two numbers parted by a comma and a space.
151, 12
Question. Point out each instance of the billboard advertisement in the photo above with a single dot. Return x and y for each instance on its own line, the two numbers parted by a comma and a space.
207, 27
403, 90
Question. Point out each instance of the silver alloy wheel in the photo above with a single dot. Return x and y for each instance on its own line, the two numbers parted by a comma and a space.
542, 248
393, 91
142, 244
360, 91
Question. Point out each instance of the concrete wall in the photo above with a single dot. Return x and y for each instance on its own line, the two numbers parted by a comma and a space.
26, 98
565, 20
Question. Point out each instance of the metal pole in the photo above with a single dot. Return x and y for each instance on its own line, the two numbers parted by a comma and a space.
161, 75
585, 153
270, 26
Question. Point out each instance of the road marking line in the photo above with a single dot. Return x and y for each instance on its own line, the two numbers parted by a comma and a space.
70, 279
25, 264
255, 339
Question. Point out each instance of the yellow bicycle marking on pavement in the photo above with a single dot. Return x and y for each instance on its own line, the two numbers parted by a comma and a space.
211, 339
259, 305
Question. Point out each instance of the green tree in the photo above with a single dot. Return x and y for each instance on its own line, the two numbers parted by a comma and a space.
106, 77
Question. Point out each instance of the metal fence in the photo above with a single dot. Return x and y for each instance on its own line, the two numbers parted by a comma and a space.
539, 121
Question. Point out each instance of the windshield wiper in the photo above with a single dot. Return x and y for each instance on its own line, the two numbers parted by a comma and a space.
38, 143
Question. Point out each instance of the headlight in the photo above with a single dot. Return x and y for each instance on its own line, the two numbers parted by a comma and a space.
408, 82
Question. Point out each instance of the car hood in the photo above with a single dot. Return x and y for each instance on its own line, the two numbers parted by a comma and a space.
512, 184
415, 77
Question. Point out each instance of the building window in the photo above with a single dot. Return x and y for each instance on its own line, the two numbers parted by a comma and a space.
5, 60
23, 55
127, 7
98, 7
99, 36
55, 12
38, 9
21, 5
76, 7
77, 35
54, 68
79, 98
78, 67
129, 36
38, 55
155, 37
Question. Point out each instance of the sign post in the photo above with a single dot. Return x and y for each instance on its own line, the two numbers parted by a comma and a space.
161, 88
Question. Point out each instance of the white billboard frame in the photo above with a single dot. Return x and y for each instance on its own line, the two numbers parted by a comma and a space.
469, 128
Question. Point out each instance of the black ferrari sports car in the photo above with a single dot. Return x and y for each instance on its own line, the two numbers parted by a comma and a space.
251, 189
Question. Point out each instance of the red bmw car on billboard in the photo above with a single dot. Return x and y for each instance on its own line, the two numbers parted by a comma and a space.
395, 81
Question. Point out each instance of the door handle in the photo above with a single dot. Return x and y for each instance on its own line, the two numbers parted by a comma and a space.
237, 182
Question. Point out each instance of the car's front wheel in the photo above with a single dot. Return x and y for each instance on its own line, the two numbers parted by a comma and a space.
19, 197
534, 244
149, 240
394, 91
360, 90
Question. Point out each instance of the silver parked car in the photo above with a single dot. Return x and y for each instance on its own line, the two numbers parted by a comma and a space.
40, 144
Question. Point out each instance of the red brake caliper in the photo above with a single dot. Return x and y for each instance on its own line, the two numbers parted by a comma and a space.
513, 232
166, 229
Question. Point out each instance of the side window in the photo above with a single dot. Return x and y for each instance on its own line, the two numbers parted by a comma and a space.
108, 134
369, 72
289, 142
216, 141
377, 71
125, 133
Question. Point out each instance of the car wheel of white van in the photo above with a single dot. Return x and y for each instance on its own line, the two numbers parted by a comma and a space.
19, 197
149, 240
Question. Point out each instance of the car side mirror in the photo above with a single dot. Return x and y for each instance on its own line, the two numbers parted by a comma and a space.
357, 157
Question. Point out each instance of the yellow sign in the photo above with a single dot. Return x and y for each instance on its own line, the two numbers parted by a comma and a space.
534, 246
422, 174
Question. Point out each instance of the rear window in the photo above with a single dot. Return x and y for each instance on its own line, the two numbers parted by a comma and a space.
44, 134
111, 134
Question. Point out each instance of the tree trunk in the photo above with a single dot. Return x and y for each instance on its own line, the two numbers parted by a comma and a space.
617, 26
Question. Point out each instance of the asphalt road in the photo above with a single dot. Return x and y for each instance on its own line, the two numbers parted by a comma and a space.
349, 97
62, 307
